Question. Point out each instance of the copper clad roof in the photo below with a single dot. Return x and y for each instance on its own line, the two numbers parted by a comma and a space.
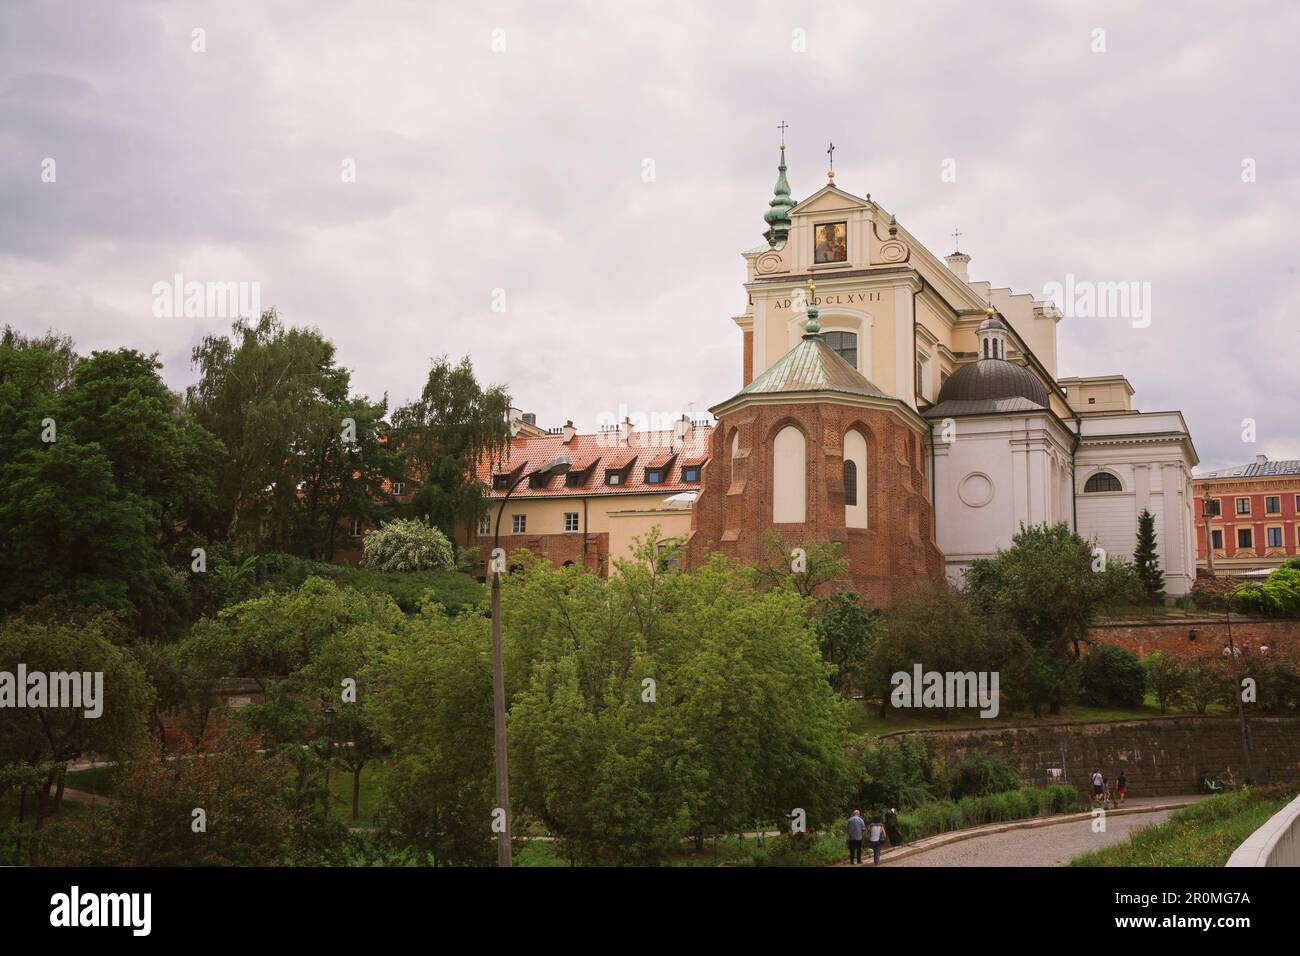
812, 366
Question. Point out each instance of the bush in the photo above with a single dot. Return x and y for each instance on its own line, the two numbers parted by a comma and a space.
1277, 683
454, 590
1167, 678
1278, 595
941, 816
901, 775
980, 773
1113, 677
1208, 681
407, 544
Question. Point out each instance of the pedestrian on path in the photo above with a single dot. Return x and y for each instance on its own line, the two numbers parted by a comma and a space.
1121, 782
876, 837
1098, 784
892, 828
855, 827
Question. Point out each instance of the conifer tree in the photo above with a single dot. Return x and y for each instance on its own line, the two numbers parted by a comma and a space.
1145, 560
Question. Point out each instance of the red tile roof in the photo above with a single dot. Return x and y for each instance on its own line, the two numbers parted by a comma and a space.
605, 449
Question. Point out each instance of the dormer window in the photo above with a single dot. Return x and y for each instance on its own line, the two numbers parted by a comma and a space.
691, 473
613, 477
538, 481
500, 482
575, 479
654, 476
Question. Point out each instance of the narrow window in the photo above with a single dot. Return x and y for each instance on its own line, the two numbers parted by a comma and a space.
1245, 539
518, 523
850, 483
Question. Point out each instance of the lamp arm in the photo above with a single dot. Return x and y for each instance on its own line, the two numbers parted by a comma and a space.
496, 536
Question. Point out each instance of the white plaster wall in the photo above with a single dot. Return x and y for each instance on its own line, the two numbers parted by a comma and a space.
789, 471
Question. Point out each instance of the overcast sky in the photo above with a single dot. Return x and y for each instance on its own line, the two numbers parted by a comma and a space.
502, 146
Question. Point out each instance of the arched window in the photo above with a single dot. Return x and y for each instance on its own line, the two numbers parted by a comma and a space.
843, 344
1102, 481
789, 477
855, 479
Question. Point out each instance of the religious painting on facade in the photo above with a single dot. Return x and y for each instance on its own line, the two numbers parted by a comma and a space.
829, 242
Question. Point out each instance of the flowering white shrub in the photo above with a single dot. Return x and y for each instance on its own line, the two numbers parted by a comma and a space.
408, 544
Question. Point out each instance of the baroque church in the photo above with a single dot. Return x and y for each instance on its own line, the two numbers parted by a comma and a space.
887, 402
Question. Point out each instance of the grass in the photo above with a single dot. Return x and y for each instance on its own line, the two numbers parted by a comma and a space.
371, 797
1204, 834
97, 780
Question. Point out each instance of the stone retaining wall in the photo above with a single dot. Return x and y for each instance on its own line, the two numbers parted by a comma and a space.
1160, 756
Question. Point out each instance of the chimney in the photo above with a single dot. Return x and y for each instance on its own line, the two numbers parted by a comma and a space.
683, 427
625, 431
569, 432
530, 418
959, 262
1261, 459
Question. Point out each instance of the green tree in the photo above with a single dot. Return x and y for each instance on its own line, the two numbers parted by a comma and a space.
430, 701
294, 465
1050, 585
847, 632
936, 626
442, 437
1146, 562
49, 641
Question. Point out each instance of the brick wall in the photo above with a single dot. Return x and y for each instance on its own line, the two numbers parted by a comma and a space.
559, 549
1282, 637
734, 508
1160, 756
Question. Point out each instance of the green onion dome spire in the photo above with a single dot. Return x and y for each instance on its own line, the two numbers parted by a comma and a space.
777, 216
812, 326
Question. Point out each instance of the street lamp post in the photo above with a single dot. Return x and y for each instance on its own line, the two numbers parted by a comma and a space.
556, 466
1236, 692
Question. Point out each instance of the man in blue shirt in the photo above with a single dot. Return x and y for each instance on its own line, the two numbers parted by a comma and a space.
855, 827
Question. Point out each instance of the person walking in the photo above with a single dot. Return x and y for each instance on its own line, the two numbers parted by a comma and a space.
855, 827
876, 837
892, 828
1121, 783
1098, 782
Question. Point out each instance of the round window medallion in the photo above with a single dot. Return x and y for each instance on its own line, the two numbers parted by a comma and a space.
976, 490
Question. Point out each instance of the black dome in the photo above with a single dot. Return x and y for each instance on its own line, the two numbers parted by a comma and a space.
992, 379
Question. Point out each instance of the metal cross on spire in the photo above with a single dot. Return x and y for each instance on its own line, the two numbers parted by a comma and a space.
956, 240
831, 153
783, 127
